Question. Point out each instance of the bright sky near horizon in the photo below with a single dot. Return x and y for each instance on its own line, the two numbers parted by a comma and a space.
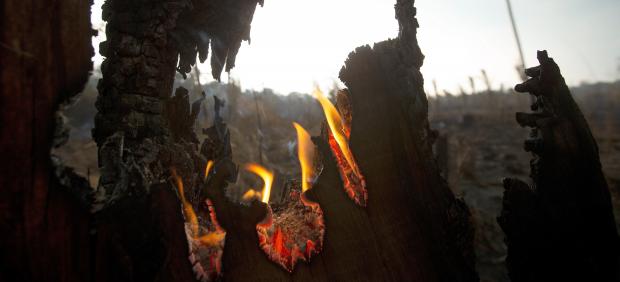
296, 43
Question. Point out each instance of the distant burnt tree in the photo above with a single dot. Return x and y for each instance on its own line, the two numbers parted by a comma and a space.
560, 228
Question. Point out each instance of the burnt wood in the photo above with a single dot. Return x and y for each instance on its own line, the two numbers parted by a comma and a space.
45, 59
561, 227
413, 228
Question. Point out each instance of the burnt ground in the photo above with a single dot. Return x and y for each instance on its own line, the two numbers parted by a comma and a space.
484, 144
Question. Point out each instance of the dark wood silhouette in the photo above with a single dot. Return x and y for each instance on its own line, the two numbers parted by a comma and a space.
45, 59
560, 228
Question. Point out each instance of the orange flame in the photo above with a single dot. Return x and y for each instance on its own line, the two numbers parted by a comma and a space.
212, 238
208, 169
337, 127
187, 207
251, 194
206, 250
305, 153
267, 177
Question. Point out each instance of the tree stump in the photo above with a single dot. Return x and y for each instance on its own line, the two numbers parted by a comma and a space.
413, 228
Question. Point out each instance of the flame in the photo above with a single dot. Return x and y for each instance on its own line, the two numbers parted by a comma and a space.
338, 137
208, 169
206, 250
187, 207
337, 127
305, 153
267, 177
251, 194
212, 238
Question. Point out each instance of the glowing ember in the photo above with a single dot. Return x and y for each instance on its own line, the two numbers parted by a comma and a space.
339, 133
208, 169
267, 177
294, 231
205, 236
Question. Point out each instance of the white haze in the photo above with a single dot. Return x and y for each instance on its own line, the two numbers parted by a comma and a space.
296, 43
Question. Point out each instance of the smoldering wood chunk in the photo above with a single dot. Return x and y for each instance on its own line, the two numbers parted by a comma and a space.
562, 227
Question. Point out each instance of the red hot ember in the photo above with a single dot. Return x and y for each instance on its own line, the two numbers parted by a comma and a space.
292, 231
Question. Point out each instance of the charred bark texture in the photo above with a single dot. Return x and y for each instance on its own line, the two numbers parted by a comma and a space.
145, 41
45, 58
143, 133
413, 228
560, 228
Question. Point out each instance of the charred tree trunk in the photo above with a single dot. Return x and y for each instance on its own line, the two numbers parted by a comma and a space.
143, 133
45, 59
140, 231
560, 228
413, 228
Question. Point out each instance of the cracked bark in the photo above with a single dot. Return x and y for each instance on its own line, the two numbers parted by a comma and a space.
142, 132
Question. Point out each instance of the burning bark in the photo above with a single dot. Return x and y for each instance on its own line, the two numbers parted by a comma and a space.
412, 228
204, 235
562, 226
338, 132
294, 230
142, 132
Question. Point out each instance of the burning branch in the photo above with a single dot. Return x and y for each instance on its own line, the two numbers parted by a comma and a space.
339, 133
205, 236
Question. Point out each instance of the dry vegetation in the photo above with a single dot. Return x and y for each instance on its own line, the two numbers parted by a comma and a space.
484, 144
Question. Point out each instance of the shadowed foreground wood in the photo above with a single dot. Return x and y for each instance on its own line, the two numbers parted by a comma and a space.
413, 227
45, 59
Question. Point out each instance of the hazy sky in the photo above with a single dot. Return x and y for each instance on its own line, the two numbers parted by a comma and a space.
296, 43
